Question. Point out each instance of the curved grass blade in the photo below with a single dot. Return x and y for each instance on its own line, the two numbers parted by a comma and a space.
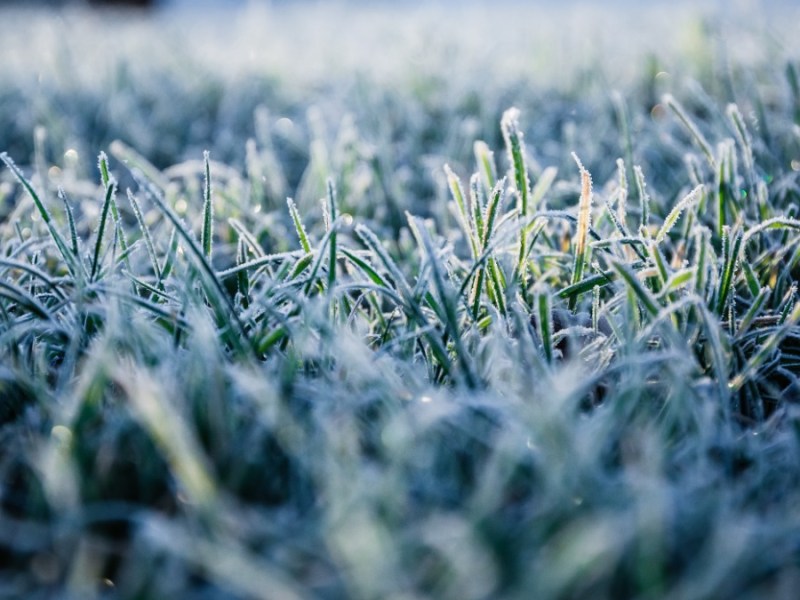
365, 268
486, 165
51, 283
691, 127
690, 200
765, 350
770, 224
148, 239
632, 281
25, 300
73, 233
249, 239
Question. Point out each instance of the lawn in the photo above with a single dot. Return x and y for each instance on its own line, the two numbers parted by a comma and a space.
379, 301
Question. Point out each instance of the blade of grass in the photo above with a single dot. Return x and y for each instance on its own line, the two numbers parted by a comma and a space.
691, 127
690, 200
242, 278
644, 201
333, 215
632, 282
544, 322
148, 239
484, 157
252, 243
298, 226
755, 310
730, 257
110, 190
207, 236
119, 231
515, 146
169, 258
73, 233
464, 217
584, 223
257, 263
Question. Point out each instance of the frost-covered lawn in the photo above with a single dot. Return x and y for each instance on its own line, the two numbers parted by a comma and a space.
527, 326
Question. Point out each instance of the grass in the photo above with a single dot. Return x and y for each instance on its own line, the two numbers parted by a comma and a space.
506, 377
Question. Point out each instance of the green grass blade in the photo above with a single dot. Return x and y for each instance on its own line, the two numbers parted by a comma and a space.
249, 239
515, 146
691, 127
119, 230
743, 138
333, 215
145, 230
298, 226
242, 278
725, 184
365, 268
644, 200
576, 289
755, 310
110, 190
169, 258
690, 200
371, 241
464, 217
584, 224
484, 157
490, 216
207, 237
731, 254
542, 186
73, 232
751, 278
647, 300
544, 322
